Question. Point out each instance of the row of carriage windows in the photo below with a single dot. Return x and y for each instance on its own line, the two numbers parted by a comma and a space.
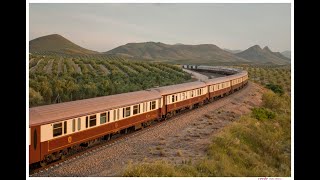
183, 95
104, 117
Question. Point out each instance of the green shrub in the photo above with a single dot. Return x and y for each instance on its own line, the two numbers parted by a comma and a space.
246, 147
262, 113
275, 88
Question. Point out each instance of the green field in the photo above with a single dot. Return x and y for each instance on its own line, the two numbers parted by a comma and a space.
264, 75
55, 79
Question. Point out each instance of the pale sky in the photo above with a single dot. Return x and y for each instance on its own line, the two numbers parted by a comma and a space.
102, 27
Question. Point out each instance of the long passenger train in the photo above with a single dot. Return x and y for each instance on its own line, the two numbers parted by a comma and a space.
57, 129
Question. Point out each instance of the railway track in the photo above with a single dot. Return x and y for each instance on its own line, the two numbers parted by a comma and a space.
105, 144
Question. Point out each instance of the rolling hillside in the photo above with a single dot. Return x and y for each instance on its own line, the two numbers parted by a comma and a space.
57, 44
156, 51
263, 56
286, 54
203, 53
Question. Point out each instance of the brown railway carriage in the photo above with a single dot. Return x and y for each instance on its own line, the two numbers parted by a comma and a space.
54, 128
218, 87
237, 80
186, 95
221, 86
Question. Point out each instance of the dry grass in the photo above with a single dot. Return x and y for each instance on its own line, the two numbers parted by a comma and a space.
247, 147
179, 153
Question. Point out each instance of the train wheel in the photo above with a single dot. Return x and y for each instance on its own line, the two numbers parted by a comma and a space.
64, 154
43, 163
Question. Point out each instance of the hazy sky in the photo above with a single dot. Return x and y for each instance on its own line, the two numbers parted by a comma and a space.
102, 27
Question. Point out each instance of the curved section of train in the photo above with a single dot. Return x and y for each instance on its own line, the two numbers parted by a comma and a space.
57, 129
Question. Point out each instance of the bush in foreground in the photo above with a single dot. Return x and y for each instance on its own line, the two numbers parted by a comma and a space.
247, 147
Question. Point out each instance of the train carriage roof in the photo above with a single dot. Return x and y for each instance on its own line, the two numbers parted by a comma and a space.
68, 110
225, 78
179, 87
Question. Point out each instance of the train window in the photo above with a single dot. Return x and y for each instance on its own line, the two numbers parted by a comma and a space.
87, 122
57, 129
176, 97
65, 127
145, 107
172, 98
153, 105
114, 114
191, 93
136, 109
93, 120
126, 111
73, 125
222, 85
183, 96
35, 139
79, 124
103, 118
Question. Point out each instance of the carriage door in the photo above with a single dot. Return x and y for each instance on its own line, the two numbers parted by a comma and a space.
34, 148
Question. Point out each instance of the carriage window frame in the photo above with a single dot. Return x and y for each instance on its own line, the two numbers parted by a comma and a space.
103, 117
73, 125
79, 124
65, 127
126, 111
136, 109
115, 114
59, 129
93, 120
152, 105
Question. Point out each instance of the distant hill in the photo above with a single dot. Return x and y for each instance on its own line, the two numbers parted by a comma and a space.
264, 56
56, 43
286, 54
203, 53
232, 51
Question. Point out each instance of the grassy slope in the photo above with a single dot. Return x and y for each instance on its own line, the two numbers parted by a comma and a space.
247, 147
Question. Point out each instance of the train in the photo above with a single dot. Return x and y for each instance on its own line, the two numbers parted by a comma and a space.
57, 129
